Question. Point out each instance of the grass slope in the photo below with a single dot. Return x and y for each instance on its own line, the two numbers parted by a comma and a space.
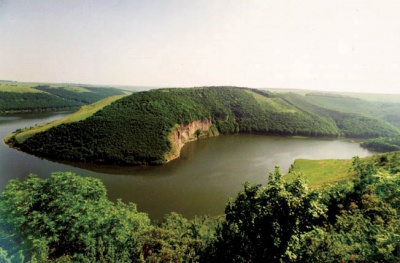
322, 172
4, 87
273, 103
83, 113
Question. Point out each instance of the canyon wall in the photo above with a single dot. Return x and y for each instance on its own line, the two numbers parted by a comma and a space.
182, 134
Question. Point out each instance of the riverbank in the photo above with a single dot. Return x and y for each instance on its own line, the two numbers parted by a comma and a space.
200, 182
84, 112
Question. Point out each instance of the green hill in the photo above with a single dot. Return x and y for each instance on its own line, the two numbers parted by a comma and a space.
31, 97
383, 144
356, 118
151, 127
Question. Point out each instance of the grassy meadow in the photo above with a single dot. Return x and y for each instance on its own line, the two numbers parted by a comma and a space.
322, 172
7, 87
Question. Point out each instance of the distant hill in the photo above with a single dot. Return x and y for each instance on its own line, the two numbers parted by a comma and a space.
150, 127
31, 97
381, 106
383, 144
354, 117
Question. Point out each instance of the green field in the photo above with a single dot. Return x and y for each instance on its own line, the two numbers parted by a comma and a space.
322, 172
4, 87
273, 104
81, 114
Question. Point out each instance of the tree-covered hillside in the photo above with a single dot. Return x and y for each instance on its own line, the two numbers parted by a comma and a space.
383, 144
31, 97
68, 218
384, 109
135, 129
352, 116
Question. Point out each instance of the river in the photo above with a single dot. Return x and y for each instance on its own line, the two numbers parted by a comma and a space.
200, 182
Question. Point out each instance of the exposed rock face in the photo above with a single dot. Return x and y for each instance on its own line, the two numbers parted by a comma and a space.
182, 134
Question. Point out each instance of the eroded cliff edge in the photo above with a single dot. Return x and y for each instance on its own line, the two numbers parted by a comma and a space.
182, 134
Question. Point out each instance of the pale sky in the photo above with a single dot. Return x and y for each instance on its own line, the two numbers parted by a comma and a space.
338, 45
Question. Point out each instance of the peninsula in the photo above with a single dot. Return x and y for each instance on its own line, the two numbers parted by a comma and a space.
150, 127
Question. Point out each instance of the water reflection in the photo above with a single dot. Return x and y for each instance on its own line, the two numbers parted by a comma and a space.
209, 172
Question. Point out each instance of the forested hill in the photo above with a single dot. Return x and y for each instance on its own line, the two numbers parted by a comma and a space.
354, 117
135, 130
33, 97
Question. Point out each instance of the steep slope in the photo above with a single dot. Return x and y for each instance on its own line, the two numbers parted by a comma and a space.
84, 112
354, 117
385, 110
150, 127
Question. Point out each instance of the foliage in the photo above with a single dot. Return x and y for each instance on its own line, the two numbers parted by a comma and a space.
349, 114
353, 221
14, 98
10, 101
383, 144
363, 222
89, 96
356, 126
84, 112
178, 239
266, 224
134, 130
68, 216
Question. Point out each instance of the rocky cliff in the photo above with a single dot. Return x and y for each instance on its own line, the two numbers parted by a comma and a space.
182, 134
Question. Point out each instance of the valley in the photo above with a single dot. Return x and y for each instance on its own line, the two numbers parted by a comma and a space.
138, 129
212, 149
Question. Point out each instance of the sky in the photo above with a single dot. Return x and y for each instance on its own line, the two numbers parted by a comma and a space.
328, 45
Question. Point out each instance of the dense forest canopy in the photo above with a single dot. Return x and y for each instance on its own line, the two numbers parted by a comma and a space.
135, 129
383, 144
68, 218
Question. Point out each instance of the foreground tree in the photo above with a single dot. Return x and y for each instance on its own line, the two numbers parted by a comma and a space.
177, 239
363, 222
265, 224
67, 216
353, 221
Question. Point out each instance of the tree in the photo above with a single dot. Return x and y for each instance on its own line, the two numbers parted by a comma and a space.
363, 222
178, 239
265, 224
69, 216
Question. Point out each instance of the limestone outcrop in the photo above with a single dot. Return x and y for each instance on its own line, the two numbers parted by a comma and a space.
182, 134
